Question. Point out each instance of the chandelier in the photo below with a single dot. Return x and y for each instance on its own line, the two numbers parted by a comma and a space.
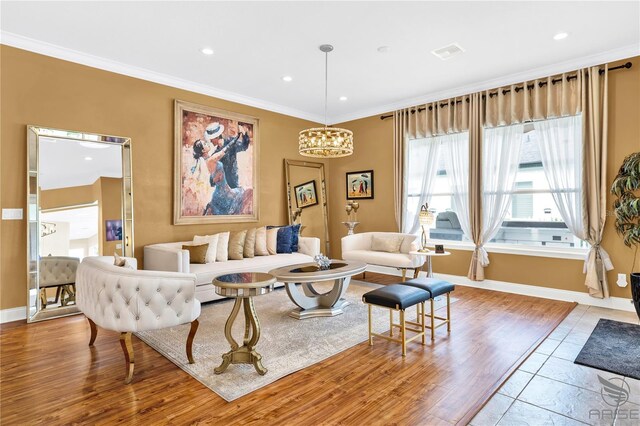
326, 142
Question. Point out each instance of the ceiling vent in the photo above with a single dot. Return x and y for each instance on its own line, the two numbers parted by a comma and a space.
448, 52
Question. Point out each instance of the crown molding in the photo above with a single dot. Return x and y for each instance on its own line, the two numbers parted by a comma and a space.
59, 52
624, 52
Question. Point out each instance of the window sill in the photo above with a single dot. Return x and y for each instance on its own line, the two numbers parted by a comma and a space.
556, 253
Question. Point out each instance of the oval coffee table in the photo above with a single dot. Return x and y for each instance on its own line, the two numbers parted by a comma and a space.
243, 287
312, 303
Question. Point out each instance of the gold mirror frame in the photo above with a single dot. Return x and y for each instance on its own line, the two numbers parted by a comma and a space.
34, 133
323, 193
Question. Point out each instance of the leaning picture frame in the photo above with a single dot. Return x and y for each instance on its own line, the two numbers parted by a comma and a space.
306, 195
215, 165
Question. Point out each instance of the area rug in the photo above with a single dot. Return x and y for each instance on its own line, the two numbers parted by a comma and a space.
614, 347
286, 344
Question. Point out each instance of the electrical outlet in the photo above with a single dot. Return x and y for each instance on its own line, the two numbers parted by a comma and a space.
118, 246
622, 280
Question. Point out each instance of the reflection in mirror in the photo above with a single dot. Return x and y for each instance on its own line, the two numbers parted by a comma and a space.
79, 205
307, 200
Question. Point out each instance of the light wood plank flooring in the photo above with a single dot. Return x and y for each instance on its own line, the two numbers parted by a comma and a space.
50, 376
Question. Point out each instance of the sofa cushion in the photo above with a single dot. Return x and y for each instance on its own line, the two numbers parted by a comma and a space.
261, 242
207, 272
396, 260
236, 244
197, 253
250, 243
223, 247
212, 240
387, 243
284, 240
272, 240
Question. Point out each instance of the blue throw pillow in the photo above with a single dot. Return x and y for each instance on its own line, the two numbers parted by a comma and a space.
285, 238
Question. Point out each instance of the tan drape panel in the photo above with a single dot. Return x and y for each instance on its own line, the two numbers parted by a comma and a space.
400, 134
594, 194
479, 258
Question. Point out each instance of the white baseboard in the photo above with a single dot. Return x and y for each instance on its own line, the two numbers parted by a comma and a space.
13, 314
619, 303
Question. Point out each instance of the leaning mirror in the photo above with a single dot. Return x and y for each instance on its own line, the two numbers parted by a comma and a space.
307, 200
80, 203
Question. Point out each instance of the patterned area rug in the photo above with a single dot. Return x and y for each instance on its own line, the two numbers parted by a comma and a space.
286, 344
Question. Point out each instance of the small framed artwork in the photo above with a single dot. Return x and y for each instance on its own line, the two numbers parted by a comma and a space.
439, 249
360, 185
306, 195
113, 230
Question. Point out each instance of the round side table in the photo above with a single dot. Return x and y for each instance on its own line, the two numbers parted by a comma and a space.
243, 287
428, 255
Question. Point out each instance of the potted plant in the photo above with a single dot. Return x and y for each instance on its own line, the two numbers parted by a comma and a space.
626, 187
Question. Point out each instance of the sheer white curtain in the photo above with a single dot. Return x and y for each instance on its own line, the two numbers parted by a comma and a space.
501, 154
422, 163
455, 150
561, 151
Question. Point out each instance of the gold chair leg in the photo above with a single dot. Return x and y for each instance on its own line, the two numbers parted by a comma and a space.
422, 323
404, 274
192, 334
416, 273
390, 322
449, 312
58, 291
403, 334
364, 274
433, 322
127, 348
370, 327
94, 331
43, 298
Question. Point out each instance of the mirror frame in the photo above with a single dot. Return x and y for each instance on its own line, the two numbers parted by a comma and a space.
323, 192
34, 133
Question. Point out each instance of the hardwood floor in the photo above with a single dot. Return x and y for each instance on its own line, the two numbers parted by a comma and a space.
49, 374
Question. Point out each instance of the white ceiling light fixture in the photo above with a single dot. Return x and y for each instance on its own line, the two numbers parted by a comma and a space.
383, 49
206, 51
88, 158
287, 78
448, 52
325, 142
343, 98
560, 36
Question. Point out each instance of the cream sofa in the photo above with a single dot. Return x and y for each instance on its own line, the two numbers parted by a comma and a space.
171, 257
358, 247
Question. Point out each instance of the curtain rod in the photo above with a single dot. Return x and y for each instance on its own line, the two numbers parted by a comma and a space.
517, 89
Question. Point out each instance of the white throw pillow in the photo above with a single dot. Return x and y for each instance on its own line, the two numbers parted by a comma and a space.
390, 244
212, 250
222, 254
272, 240
261, 242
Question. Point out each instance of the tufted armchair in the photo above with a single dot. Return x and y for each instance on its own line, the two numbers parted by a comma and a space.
60, 272
128, 300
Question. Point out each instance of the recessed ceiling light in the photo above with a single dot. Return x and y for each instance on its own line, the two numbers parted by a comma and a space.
287, 78
383, 49
206, 51
88, 158
560, 36
343, 98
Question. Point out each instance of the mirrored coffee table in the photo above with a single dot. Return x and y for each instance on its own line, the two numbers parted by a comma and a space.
312, 303
243, 287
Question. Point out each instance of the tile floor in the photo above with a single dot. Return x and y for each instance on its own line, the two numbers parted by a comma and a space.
549, 389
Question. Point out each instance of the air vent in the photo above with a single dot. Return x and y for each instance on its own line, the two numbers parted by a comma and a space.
448, 52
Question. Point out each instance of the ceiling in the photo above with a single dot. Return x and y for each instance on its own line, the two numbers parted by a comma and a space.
65, 163
257, 43
83, 221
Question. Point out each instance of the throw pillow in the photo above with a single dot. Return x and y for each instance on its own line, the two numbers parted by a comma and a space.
390, 244
296, 237
236, 244
197, 254
261, 242
222, 254
212, 240
284, 240
250, 243
121, 261
272, 240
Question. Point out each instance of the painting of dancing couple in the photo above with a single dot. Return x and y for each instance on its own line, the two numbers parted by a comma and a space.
215, 165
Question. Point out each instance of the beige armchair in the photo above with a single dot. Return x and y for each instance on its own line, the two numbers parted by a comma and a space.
128, 300
59, 272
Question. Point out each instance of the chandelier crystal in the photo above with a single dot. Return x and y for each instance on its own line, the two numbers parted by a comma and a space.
325, 142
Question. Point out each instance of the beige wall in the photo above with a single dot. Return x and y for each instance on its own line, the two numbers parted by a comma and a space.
44, 91
374, 150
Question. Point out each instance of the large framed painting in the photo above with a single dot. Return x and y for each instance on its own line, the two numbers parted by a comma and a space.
215, 166
306, 195
360, 185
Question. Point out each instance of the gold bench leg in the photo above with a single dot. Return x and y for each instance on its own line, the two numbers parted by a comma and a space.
433, 322
391, 322
449, 312
403, 333
422, 323
370, 327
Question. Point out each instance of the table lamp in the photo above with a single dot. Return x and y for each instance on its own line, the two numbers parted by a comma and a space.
426, 218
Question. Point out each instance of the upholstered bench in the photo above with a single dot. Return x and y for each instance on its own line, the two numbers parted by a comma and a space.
435, 287
397, 297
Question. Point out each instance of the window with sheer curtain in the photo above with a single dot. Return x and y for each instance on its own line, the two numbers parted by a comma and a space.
532, 177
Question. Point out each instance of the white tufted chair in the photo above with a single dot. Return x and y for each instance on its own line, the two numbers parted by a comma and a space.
127, 300
60, 272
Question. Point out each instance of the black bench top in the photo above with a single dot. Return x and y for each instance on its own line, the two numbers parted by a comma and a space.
396, 296
434, 286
